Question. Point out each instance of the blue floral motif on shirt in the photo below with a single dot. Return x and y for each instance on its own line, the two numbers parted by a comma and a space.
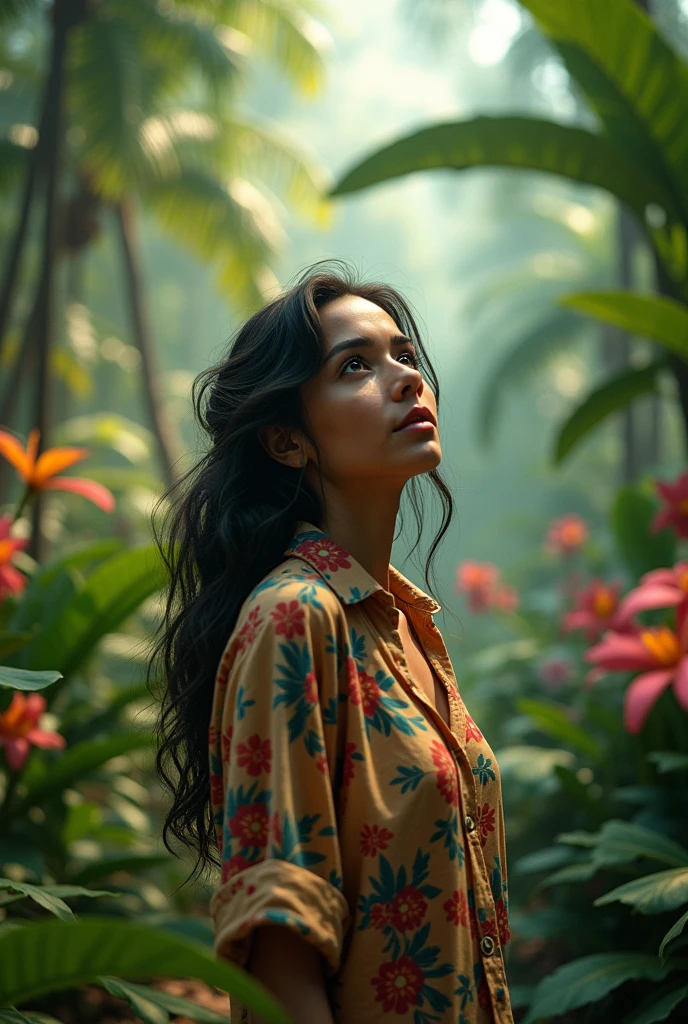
299, 665
242, 704
385, 710
448, 831
396, 904
483, 770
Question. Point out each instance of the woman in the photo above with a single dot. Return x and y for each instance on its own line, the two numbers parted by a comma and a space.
354, 803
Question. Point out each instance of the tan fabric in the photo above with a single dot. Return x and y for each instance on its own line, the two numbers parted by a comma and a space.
346, 809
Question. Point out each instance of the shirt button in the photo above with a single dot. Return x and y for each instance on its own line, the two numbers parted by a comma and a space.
469, 823
487, 944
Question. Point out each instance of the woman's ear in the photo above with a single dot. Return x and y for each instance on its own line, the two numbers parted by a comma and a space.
283, 445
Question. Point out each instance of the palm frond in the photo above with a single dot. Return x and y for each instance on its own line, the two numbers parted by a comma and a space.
288, 32
232, 225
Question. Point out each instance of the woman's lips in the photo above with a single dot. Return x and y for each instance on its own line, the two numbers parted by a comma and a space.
416, 425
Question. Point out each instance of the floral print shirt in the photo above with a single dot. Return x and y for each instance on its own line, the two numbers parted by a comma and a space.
346, 809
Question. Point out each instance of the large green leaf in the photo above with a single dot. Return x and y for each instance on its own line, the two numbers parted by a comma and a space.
612, 396
651, 894
650, 316
54, 955
112, 592
77, 763
149, 1003
13, 1016
51, 897
518, 142
638, 89
658, 1005
21, 679
672, 934
639, 548
621, 842
590, 979
104, 866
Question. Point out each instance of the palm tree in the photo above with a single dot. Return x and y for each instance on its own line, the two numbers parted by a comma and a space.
141, 100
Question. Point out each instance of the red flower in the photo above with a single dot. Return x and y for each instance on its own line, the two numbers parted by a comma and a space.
233, 866
321, 763
365, 691
660, 655
250, 824
380, 915
374, 839
408, 908
661, 588
275, 830
566, 535
472, 730
447, 780
675, 513
348, 766
456, 907
310, 685
11, 580
19, 729
324, 554
596, 610
480, 580
398, 985
248, 632
255, 755
485, 822
289, 619
39, 473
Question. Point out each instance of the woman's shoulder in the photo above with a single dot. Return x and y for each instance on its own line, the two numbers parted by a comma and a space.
292, 587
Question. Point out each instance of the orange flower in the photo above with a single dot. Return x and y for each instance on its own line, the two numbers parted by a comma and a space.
39, 473
11, 580
566, 535
19, 729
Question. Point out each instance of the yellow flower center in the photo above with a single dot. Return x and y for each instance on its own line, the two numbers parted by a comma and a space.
662, 644
683, 580
603, 603
683, 506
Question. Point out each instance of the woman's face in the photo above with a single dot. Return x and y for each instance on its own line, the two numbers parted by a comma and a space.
366, 386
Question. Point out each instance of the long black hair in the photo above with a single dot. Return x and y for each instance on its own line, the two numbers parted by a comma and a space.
234, 514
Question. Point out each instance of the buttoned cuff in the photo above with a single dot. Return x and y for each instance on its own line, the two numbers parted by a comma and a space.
277, 892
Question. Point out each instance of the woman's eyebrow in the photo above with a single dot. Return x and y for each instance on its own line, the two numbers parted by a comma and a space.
398, 339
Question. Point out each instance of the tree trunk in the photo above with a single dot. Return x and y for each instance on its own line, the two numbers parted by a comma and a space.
44, 312
16, 249
167, 439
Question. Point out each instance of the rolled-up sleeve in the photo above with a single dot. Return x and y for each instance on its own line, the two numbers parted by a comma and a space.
276, 715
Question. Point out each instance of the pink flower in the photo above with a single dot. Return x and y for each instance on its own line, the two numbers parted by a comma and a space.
658, 653
19, 729
675, 513
11, 580
660, 588
566, 535
480, 580
597, 610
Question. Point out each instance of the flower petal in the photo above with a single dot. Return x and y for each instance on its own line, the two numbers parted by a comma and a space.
17, 750
46, 740
35, 706
681, 684
11, 580
95, 492
620, 652
53, 461
648, 596
641, 695
12, 450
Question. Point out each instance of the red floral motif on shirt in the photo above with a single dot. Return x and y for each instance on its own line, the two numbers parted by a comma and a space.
408, 908
456, 907
364, 690
489, 927
310, 685
485, 822
247, 633
398, 985
374, 839
233, 866
226, 744
484, 997
216, 790
380, 915
321, 763
502, 922
472, 730
275, 830
255, 755
289, 619
250, 824
324, 554
447, 781
212, 735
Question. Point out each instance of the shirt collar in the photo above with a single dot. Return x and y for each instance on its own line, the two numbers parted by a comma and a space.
347, 577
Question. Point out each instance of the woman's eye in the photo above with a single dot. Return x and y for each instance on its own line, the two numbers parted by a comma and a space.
359, 359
